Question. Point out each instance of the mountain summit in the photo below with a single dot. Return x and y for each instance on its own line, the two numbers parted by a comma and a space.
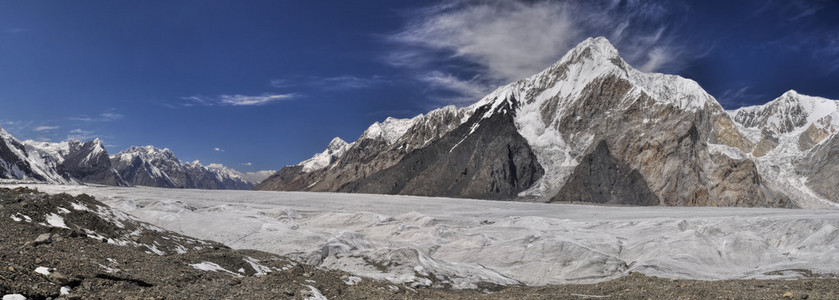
589, 128
76, 162
152, 166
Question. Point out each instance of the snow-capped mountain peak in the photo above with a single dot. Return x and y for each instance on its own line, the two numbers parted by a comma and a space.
336, 148
21, 162
70, 161
592, 48
336, 144
152, 166
587, 128
790, 113
391, 129
148, 152
589, 62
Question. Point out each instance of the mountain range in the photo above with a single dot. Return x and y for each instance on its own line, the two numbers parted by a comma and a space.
76, 162
588, 129
591, 128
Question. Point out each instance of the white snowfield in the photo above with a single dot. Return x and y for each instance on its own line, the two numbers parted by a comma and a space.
425, 241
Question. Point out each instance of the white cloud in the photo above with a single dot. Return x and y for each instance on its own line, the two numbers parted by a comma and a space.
335, 83
45, 128
236, 100
217, 149
503, 41
467, 89
657, 58
103, 117
81, 134
510, 39
216, 166
734, 98
15, 126
247, 164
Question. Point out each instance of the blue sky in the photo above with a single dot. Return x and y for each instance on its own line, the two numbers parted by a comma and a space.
262, 84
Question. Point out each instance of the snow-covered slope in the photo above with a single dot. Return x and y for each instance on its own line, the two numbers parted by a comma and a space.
20, 162
790, 124
336, 148
152, 166
390, 130
789, 112
87, 162
793, 136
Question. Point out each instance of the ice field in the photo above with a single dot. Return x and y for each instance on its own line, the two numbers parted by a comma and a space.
461, 242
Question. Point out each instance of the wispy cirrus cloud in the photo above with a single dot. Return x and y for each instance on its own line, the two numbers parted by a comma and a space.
811, 35
800, 9
465, 90
502, 41
81, 134
236, 100
15, 126
334, 83
14, 30
734, 98
45, 128
107, 116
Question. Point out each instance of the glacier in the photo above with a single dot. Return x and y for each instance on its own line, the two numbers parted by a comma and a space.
462, 243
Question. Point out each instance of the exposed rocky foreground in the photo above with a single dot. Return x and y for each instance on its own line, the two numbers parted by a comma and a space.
95, 252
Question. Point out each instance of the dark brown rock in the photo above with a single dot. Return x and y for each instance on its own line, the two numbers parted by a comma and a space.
602, 178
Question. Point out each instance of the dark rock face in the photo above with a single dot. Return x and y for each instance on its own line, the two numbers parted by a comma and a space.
366, 156
483, 158
738, 183
812, 136
89, 163
289, 178
363, 159
666, 146
820, 169
602, 178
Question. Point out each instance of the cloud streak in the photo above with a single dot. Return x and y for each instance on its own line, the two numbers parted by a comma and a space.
236, 100
103, 117
466, 91
734, 98
81, 134
45, 128
503, 41
335, 83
